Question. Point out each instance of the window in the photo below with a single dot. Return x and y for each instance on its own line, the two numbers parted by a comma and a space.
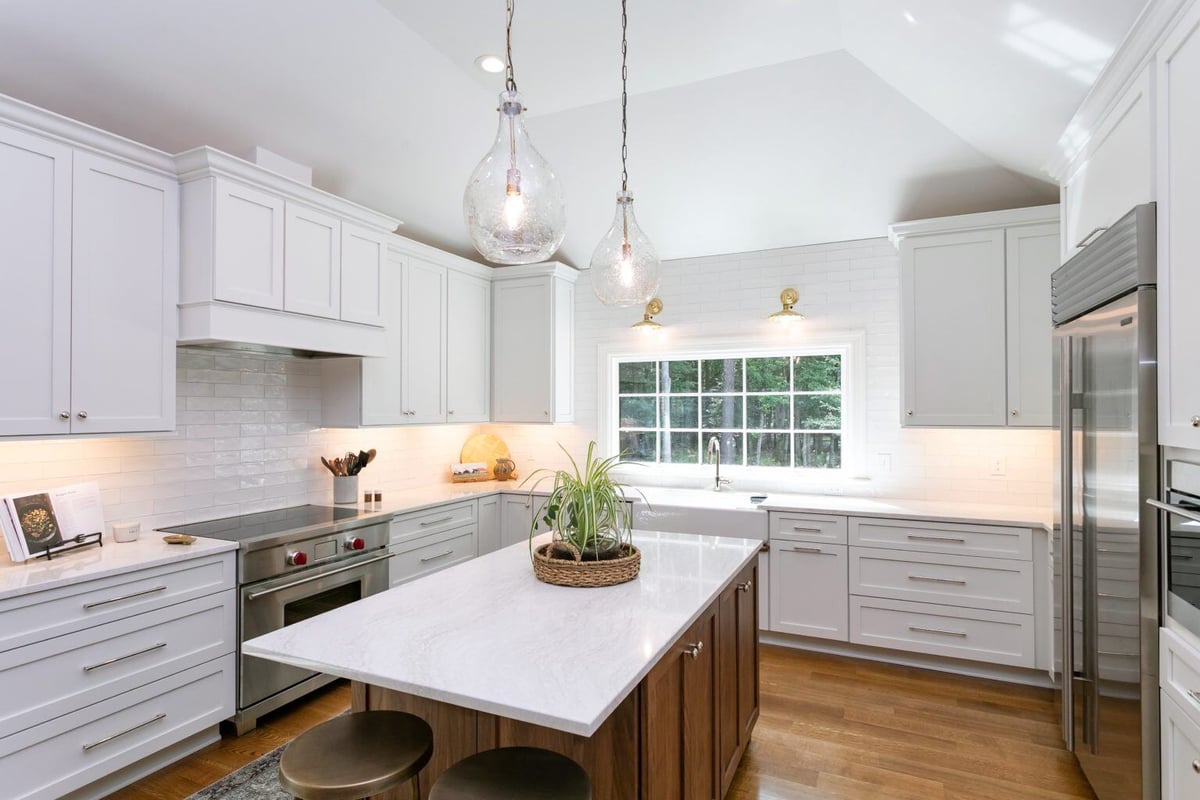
776, 410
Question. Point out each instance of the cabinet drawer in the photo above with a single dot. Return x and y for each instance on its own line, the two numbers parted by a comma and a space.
435, 520
1180, 752
71, 751
808, 527
994, 583
977, 635
990, 541
65, 673
1179, 672
808, 589
432, 553
43, 615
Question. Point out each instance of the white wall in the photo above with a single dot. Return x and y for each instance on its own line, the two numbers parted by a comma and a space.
847, 286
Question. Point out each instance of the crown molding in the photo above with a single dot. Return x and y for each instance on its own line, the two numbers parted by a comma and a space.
555, 268
1034, 215
403, 246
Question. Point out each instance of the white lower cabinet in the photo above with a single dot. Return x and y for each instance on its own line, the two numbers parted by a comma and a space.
111, 671
808, 589
489, 524
940, 630
516, 516
1180, 742
432, 553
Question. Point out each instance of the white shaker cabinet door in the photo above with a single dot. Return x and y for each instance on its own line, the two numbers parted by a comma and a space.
1179, 235
953, 320
248, 247
1180, 747
382, 390
35, 268
1032, 255
125, 277
424, 341
468, 348
364, 260
312, 262
809, 585
523, 373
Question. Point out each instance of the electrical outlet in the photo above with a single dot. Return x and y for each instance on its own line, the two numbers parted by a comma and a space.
999, 468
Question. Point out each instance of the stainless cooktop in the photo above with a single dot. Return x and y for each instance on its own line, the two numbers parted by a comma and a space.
298, 521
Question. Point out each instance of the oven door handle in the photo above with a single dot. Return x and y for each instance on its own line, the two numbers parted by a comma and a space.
1187, 513
311, 578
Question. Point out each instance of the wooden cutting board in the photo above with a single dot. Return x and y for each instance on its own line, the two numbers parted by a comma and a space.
484, 447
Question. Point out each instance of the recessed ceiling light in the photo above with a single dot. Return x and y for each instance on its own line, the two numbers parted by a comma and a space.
490, 63
908, 15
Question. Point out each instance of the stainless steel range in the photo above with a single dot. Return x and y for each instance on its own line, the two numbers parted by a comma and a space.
293, 564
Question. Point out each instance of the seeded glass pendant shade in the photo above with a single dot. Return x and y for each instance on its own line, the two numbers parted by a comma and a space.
625, 267
514, 205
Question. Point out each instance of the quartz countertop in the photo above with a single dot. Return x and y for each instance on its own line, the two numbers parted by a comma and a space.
89, 563
487, 635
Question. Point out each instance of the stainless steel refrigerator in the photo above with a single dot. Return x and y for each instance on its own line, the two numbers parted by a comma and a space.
1106, 564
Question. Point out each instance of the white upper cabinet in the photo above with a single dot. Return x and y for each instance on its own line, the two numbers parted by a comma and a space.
125, 272
1031, 256
364, 259
35, 263
423, 353
975, 318
533, 343
437, 367
1178, 127
89, 251
468, 348
1112, 173
312, 262
246, 239
255, 243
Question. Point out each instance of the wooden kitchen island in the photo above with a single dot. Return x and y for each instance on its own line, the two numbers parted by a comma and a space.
652, 686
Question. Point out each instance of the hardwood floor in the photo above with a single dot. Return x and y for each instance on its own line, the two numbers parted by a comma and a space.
831, 728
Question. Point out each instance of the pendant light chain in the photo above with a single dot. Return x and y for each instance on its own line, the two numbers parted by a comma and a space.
510, 82
624, 100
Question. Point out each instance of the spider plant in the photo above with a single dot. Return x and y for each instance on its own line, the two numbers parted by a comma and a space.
586, 508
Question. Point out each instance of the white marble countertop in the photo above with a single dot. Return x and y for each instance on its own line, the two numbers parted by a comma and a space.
149, 550
487, 635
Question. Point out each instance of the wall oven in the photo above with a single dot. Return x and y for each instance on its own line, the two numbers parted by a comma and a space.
1181, 543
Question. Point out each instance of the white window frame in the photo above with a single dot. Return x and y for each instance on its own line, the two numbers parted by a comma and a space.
851, 345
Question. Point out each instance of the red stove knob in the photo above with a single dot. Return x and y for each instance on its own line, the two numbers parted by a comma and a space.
297, 559
355, 543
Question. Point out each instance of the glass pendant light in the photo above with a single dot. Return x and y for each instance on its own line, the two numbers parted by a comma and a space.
625, 268
513, 205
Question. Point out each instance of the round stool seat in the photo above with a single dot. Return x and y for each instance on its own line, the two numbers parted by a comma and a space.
356, 755
514, 773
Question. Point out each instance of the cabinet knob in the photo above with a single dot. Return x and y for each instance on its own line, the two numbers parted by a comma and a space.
451, 411
545, 413
694, 650
1014, 412
908, 413
745, 587
1196, 766
1196, 422
82, 415
64, 415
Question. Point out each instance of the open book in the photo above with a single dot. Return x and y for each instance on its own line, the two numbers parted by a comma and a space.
39, 521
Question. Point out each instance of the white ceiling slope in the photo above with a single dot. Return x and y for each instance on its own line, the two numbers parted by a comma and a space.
755, 124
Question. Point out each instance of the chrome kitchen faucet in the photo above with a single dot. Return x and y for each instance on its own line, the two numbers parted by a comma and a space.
714, 449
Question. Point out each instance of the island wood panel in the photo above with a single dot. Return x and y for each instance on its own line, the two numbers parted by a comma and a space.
737, 671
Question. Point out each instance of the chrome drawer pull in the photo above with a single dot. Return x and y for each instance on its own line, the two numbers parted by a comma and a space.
139, 726
149, 649
816, 550
1180, 557
437, 521
1111, 596
97, 604
942, 631
929, 579
435, 558
916, 537
1194, 696
799, 529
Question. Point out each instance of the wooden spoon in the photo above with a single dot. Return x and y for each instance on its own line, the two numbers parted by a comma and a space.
328, 466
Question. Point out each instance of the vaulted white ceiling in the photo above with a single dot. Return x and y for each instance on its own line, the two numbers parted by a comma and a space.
754, 124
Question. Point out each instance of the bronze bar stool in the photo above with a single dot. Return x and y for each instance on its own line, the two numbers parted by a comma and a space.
509, 773
356, 755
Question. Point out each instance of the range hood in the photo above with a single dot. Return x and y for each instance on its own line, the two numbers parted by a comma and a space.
232, 326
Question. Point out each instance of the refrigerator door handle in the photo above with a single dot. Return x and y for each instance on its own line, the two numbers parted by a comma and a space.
1066, 541
1186, 513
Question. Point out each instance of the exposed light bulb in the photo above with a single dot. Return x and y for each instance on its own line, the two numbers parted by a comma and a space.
513, 204
625, 267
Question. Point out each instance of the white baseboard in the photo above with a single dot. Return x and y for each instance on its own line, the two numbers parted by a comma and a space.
974, 669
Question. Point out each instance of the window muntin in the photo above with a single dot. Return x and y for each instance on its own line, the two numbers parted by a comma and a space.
784, 411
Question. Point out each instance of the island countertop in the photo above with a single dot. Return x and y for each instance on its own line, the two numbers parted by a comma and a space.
488, 636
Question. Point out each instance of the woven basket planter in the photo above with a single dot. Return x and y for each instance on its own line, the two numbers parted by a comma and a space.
564, 572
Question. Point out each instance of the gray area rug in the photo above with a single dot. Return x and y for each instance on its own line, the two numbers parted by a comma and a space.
258, 780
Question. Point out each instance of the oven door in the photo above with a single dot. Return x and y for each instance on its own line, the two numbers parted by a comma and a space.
273, 604
1181, 535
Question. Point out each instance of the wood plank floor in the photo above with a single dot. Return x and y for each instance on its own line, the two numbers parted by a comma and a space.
831, 728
